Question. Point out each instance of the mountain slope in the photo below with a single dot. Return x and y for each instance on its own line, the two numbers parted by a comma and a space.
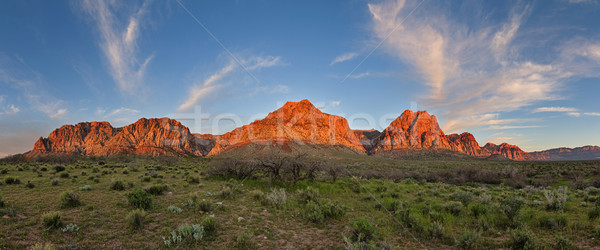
568, 154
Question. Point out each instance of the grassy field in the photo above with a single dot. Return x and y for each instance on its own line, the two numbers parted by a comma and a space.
137, 202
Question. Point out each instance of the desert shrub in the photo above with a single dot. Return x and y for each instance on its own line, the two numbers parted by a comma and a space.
321, 211
244, 241
185, 234
85, 188
563, 243
465, 197
272, 164
12, 180
210, 225
156, 189
52, 220
69, 200
233, 167
552, 222
468, 239
205, 206
361, 230
511, 207
29, 185
174, 209
257, 194
43, 246
453, 207
59, 168
70, 228
594, 213
484, 198
1, 202
308, 194
136, 218
276, 198
435, 230
556, 199
64, 175
146, 179
3, 171
479, 209
193, 180
522, 239
139, 199
225, 192
334, 171
117, 185
300, 168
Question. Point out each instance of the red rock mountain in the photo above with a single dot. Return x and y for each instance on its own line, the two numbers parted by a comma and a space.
144, 137
509, 151
295, 122
299, 122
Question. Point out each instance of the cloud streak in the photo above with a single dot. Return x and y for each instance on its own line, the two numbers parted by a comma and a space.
119, 43
343, 58
212, 83
476, 72
554, 109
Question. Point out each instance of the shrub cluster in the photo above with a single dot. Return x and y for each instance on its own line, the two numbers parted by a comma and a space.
139, 199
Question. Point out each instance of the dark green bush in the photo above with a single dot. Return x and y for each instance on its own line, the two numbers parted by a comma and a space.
156, 189
136, 218
12, 180
205, 206
522, 239
69, 200
59, 168
318, 212
511, 207
244, 242
139, 199
117, 185
361, 230
308, 194
1, 202
479, 209
210, 225
52, 220
29, 185
468, 239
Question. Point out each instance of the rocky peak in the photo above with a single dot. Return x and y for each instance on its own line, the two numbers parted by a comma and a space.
412, 130
465, 143
507, 150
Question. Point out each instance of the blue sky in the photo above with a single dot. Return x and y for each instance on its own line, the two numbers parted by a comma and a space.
523, 72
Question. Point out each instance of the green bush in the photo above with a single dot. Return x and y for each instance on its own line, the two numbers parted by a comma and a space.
594, 213
453, 207
117, 185
562, 243
319, 212
29, 185
185, 233
465, 197
225, 192
468, 239
85, 188
276, 198
70, 228
522, 239
511, 207
139, 199
308, 194
43, 246
64, 175
435, 230
210, 225
156, 189
55, 182
52, 220
361, 230
59, 168
12, 180
136, 218
69, 200
1, 202
257, 194
244, 242
479, 209
205, 206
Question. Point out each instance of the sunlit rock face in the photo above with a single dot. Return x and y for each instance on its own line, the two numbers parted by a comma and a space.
509, 151
300, 122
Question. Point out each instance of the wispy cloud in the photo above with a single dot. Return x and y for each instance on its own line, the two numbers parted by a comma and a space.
343, 58
120, 116
119, 42
211, 84
473, 71
18, 75
554, 109
592, 113
335, 103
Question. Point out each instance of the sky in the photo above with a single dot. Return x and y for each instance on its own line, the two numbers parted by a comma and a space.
522, 72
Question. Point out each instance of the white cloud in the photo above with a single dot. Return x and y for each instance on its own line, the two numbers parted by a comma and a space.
123, 112
119, 43
472, 71
335, 103
574, 114
343, 58
11, 110
361, 75
509, 127
211, 84
583, 1
58, 114
592, 113
554, 109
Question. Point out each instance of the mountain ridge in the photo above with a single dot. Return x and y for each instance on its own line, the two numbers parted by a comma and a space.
295, 122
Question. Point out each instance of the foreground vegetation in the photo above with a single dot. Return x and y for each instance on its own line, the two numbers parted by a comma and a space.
292, 201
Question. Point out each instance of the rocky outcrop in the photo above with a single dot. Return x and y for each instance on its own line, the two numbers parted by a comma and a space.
509, 151
412, 130
299, 122
144, 137
466, 143
568, 154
